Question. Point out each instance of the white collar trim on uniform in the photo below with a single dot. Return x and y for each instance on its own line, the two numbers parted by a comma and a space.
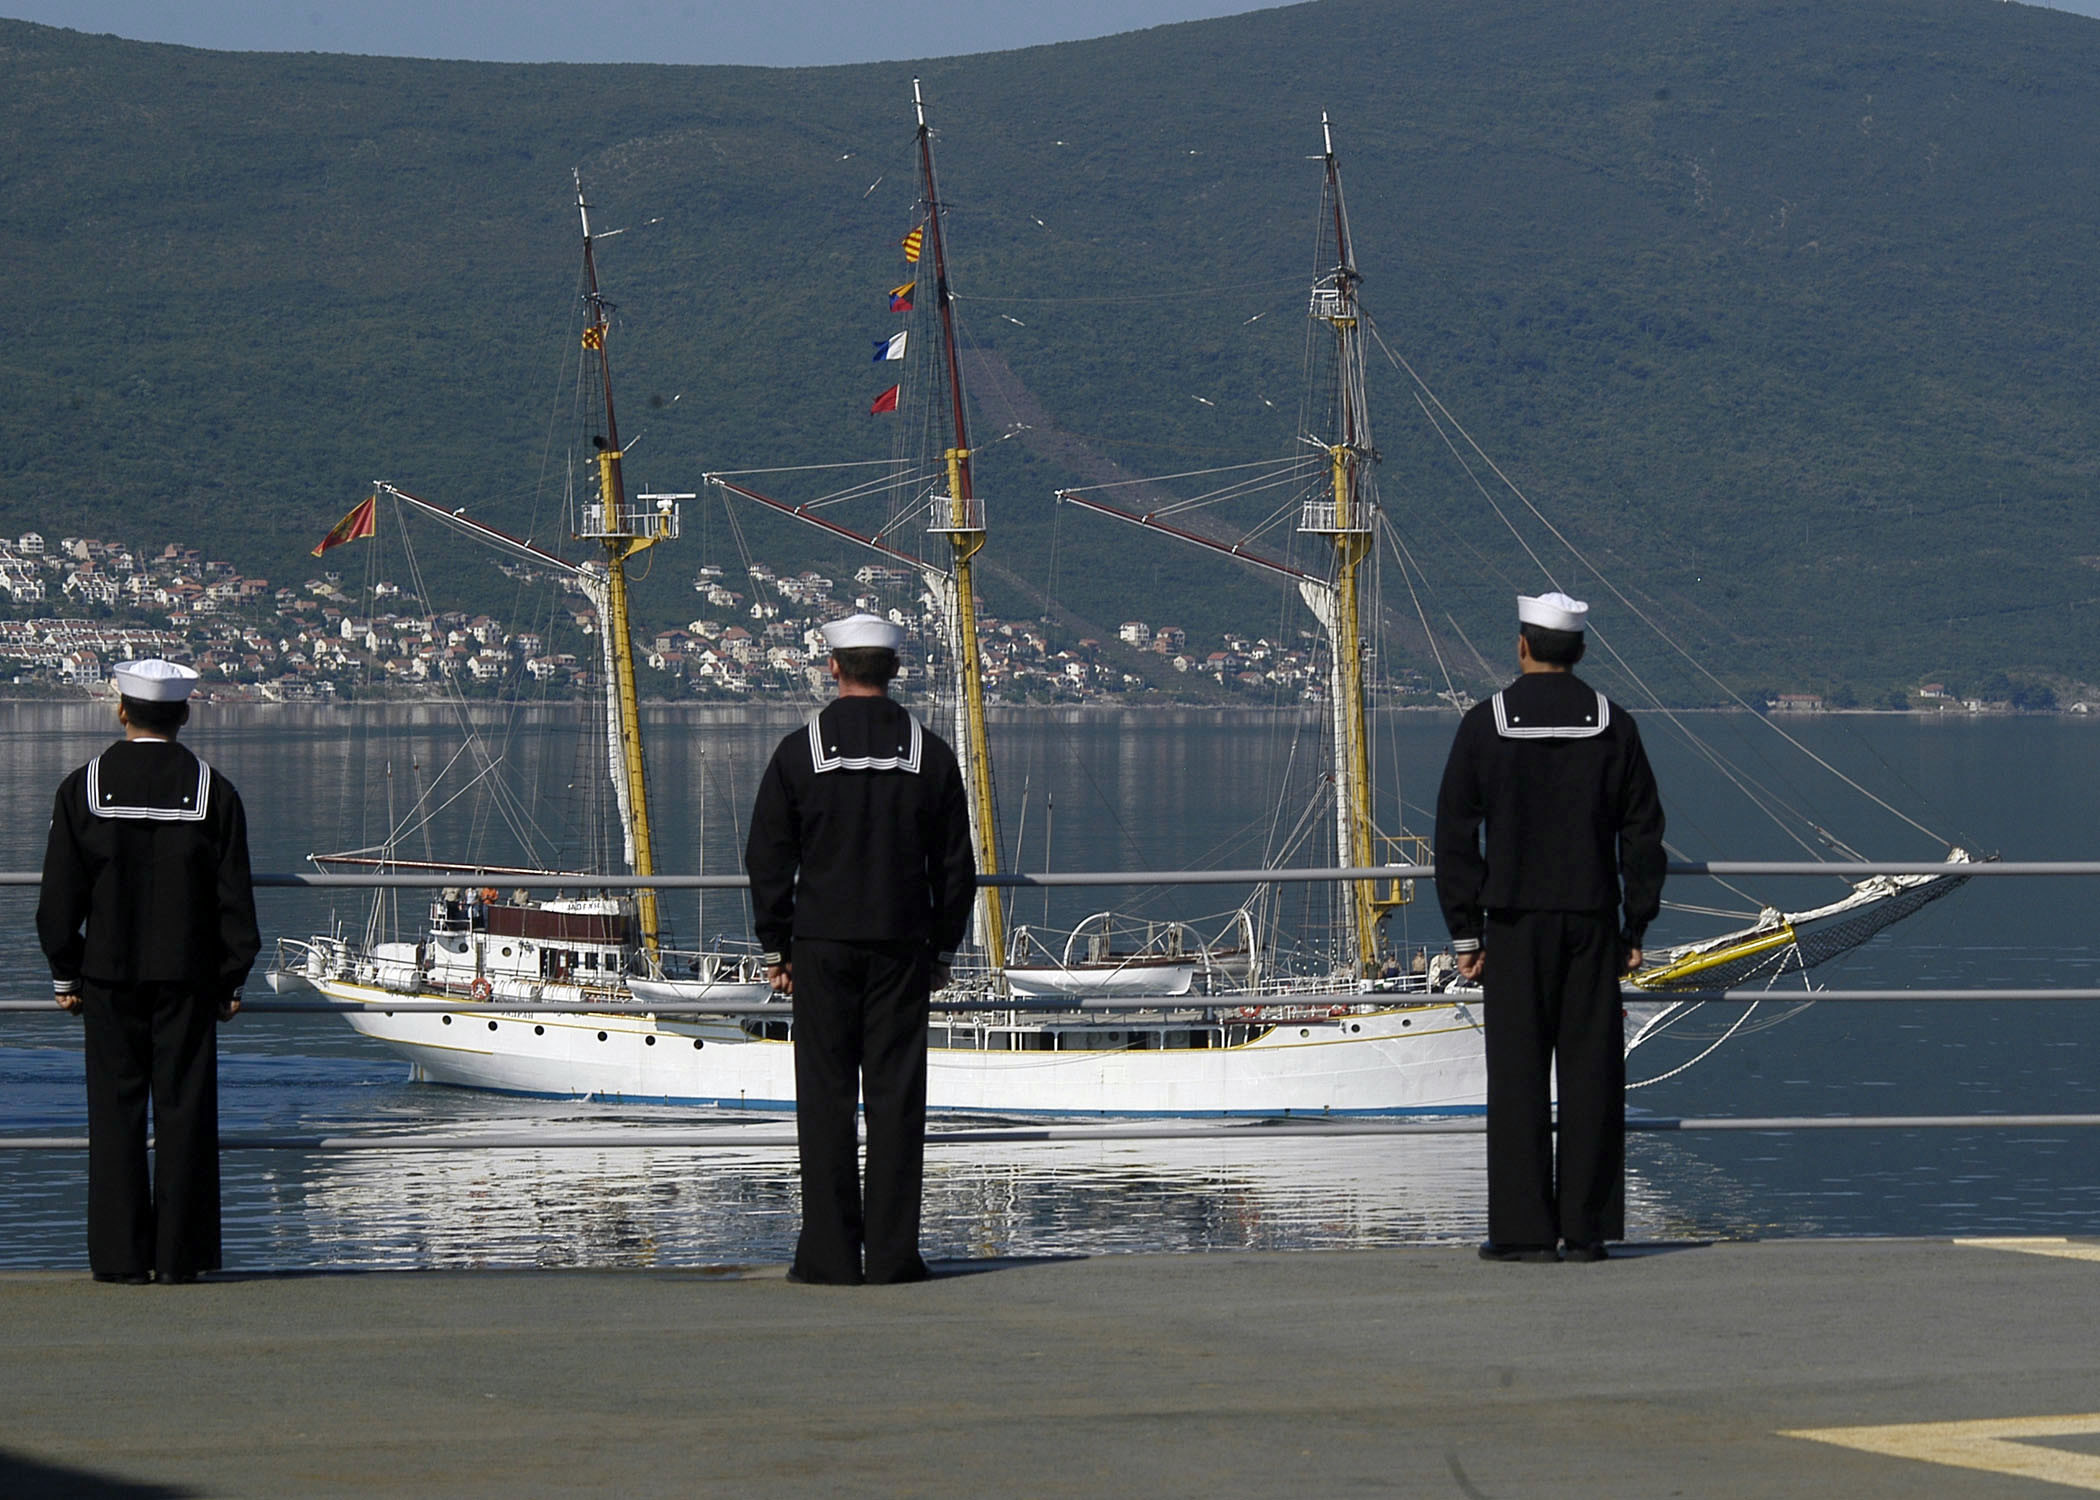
192, 811
1510, 728
830, 761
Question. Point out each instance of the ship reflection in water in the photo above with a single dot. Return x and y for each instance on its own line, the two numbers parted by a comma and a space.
659, 1207
669, 1207
1230, 1187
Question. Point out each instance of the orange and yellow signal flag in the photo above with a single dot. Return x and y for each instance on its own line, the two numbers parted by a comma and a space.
359, 524
594, 336
912, 243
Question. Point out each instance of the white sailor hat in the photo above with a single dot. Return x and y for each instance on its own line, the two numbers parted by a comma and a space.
856, 631
1554, 611
154, 680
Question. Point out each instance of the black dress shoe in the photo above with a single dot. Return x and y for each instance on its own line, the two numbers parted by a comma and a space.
125, 1278
1535, 1254
1586, 1252
176, 1278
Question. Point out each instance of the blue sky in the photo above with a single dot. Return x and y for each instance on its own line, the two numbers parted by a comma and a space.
779, 33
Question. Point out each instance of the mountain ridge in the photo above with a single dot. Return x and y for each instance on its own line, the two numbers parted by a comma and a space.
1783, 300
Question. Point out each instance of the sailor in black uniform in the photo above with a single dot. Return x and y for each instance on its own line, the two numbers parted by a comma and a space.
1556, 774
862, 880
148, 920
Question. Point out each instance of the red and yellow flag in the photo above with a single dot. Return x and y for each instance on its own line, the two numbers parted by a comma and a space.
887, 401
359, 524
594, 336
913, 242
900, 296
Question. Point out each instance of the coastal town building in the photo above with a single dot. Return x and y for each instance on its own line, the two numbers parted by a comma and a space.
70, 610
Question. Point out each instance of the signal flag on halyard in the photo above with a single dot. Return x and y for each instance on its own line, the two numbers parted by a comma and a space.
887, 401
900, 296
359, 524
891, 347
594, 336
912, 242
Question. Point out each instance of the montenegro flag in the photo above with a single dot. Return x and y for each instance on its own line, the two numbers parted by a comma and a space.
359, 524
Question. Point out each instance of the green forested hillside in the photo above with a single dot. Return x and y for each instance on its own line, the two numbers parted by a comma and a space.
1782, 311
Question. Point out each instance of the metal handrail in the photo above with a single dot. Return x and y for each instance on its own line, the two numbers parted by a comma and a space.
1197, 1004
1065, 1005
736, 1137
1843, 869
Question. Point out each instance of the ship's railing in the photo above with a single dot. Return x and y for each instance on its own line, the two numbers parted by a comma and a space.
1323, 517
1066, 1005
658, 519
946, 518
1057, 879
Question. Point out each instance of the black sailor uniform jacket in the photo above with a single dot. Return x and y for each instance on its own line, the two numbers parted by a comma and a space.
861, 833
146, 875
1557, 774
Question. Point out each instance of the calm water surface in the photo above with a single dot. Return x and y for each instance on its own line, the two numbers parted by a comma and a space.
1150, 791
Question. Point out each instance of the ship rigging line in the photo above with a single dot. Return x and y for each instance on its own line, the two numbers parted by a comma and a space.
515, 818
423, 823
1754, 791
1293, 461
504, 799
1273, 283
405, 828
1641, 615
1757, 794
1253, 485
872, 487
1712, 1047
1407, 562
898, 477
858, 463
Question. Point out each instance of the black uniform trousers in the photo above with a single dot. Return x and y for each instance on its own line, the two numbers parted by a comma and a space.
1553, 1007
860, 1034
156, 1042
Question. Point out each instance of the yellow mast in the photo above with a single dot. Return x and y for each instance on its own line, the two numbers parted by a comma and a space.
959, 515
624, 532
1344, 512
1345, 518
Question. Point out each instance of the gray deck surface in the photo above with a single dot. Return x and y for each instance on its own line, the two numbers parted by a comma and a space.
1420, 1372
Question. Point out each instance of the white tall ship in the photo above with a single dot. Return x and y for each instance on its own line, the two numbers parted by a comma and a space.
1089, 1026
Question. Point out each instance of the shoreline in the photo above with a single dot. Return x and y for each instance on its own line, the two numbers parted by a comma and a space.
789, 708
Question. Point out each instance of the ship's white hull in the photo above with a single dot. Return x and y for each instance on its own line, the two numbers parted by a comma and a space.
1417, 1059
